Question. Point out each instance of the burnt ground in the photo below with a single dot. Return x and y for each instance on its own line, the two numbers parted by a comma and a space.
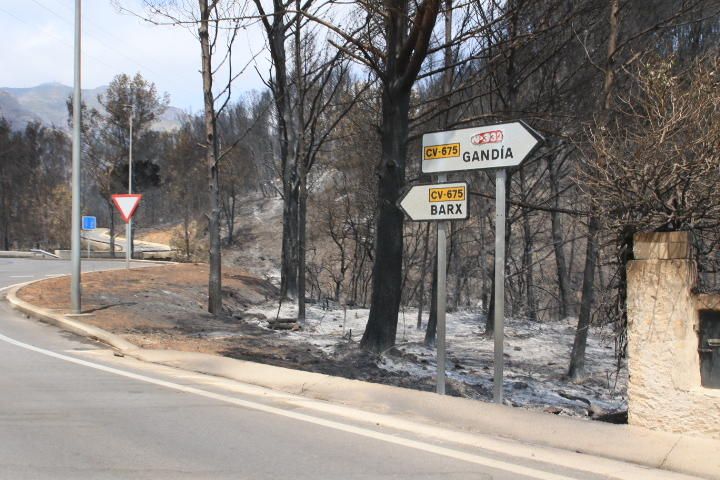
164, 308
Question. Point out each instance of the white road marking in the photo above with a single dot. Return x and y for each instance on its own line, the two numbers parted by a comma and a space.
12, 286
414, 444
56, 274
21, 276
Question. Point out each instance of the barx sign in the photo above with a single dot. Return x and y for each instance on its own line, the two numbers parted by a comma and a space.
493, 146
441, 201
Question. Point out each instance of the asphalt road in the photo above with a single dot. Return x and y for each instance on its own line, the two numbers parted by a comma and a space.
70, 409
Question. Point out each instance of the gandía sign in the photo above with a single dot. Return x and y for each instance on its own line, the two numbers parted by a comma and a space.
492, 146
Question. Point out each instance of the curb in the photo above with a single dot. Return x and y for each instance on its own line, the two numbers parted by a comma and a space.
37, 256
24, 255
668, 451
79, 328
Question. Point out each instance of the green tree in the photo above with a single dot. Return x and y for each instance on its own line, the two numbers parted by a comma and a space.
124, 98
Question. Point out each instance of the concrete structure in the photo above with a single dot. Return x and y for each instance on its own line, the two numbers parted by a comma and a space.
664, 390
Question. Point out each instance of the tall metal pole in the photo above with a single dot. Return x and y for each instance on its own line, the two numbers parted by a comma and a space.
441, 298
75, 224
128, 225
500, 178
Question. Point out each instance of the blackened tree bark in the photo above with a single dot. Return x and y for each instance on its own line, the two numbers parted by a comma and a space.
577, 372
577, 357
300, 163
211, 159
217, 24
111, 215
513, 13
277, 24
527, 259
423, 274
387, 270
431, 329
564, 307
406, 43
392, 41
490, 319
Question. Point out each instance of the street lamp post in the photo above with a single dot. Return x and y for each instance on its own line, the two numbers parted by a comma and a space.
75, 223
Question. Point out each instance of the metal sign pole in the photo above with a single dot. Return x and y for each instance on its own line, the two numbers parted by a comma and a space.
128, 225
75, 221
500, 178
441, 298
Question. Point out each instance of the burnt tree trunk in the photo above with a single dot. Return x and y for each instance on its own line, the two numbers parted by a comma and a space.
300, 167
490, 319
211, 160
403, 51
186, 233
576, 371
289, 260
527, 259
564, 307
456, 264
276, 26
577, 357
509, 108
387, 269
431, 329
302, 214
111, 209
423, 274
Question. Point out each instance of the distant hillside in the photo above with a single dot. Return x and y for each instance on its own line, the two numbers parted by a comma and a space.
46, 103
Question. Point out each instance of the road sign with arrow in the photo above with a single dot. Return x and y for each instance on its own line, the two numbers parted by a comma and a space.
496, 147
492, 146
441, 201
126, 203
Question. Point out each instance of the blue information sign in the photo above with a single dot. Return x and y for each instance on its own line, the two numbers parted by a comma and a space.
89, 223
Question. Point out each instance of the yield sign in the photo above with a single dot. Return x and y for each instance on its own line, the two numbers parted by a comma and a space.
126, 204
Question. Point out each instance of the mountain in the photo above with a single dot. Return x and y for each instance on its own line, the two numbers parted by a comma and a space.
46, 103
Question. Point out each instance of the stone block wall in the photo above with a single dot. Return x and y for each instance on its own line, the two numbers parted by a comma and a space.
664, 391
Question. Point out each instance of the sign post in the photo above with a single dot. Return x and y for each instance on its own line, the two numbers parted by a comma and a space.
127, 204
439, 202
75, 287
499, 320
495, 147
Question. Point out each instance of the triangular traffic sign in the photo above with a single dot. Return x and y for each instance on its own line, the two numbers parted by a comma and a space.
126, 203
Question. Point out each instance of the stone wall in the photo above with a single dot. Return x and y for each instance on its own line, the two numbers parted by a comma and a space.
664, 391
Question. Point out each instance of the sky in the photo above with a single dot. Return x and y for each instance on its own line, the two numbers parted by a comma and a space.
38, 48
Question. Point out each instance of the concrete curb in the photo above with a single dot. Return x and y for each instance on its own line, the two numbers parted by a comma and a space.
74, 326
38, 256
24, 255
668, 451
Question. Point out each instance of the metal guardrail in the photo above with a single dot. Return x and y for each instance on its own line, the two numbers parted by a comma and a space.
43, 252
138, 245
